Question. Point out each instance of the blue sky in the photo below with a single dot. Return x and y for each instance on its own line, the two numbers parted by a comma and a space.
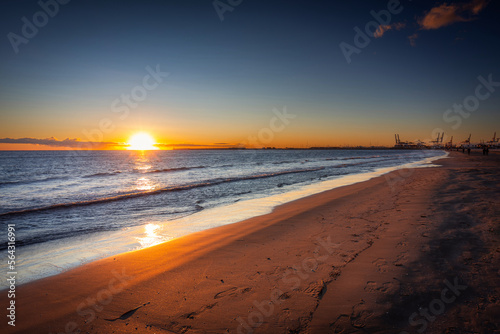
225, 77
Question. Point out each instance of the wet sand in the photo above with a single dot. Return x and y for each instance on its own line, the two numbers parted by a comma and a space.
413, 251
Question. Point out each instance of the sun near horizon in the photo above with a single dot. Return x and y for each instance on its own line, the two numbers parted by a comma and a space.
141, 141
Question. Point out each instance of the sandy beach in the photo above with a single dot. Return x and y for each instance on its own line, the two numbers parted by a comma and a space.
412, 251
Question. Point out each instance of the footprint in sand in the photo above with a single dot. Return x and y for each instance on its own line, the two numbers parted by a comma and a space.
401, 260
254, 276
401, 244
127, 314
385, 287
193, 315
359, 315
340, 324
371, 286
172, 327
381, 264
233, 292
225, 293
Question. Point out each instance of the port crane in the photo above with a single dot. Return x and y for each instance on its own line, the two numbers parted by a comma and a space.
449, 144
438, 143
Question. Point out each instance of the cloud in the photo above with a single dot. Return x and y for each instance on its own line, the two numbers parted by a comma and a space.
69, 143
412, 39
445, 15
383, 28
181, 145
476, 6
441, 16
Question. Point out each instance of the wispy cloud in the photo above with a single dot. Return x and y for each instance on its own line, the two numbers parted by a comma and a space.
68, 143
383, 28
447, 14
412, 39
186, 145
477, 6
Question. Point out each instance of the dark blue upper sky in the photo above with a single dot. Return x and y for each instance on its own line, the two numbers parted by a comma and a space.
227, 76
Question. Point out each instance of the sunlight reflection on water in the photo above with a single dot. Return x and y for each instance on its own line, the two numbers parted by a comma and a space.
144, 184
142, 162
145, 167
151, 237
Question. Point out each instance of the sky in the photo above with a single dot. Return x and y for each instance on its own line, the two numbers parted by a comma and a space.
89, 74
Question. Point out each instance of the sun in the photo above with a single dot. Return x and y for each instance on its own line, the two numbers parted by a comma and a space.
141, 141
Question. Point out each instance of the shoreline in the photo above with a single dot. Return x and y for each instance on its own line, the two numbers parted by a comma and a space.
206, 219
290, 260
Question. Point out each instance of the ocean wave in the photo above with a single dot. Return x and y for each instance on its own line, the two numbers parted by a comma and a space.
361, 157
51, 236
168, 170
243, 193
52, 178
102, 174
156, 191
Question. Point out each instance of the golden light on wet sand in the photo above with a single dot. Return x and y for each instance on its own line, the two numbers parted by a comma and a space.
151, 236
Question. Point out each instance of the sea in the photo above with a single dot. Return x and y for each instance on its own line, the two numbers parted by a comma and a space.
72, 207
